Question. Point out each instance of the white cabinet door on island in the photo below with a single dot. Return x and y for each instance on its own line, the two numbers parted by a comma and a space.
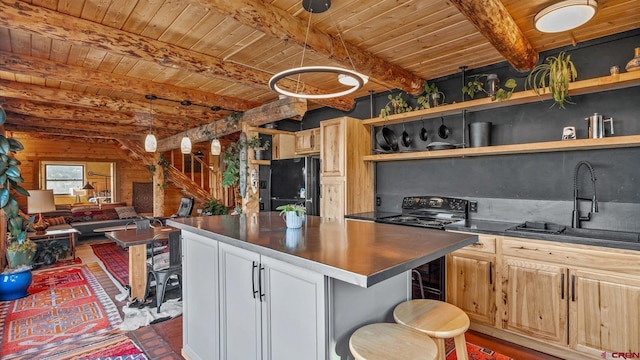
200, 297
269, 309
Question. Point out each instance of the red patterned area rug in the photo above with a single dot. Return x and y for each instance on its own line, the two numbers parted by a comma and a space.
475, 352
117, 347
66, 309
115, 259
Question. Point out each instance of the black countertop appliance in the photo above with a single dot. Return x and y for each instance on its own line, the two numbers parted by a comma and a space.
296, 181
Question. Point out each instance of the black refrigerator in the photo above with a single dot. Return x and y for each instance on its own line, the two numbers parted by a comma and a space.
296, 181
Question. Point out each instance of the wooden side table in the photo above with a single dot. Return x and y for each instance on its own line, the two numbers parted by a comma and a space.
61, 234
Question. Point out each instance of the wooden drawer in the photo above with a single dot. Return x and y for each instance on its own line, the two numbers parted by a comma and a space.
486, 243
618, 261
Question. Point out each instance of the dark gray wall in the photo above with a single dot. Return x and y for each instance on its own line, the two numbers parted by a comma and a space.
541, 177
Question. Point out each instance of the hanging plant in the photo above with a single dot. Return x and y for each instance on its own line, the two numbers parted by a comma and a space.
554, 76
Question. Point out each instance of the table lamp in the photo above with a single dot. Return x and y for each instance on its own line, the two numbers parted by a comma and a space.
78, 193
40, 201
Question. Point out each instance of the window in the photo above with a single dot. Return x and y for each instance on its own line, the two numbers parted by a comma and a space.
60, 178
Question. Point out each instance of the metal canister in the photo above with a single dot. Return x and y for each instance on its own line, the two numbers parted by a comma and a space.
596, 126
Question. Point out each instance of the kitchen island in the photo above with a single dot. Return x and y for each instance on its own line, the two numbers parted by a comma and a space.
254, 289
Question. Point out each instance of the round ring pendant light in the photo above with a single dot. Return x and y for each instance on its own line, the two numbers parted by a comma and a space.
358, 79
565, 15
346, 77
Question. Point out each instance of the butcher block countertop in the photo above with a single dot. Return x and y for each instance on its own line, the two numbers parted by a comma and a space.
358, 252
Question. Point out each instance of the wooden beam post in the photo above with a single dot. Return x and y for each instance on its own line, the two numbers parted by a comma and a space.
280, 109
496, 24
158, 188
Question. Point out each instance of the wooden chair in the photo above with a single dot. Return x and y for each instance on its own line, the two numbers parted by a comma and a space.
439, 320
385, 341
162, 266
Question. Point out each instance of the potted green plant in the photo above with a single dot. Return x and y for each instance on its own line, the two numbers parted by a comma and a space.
293, 214
49, 252
432, 96
214, 207
553, 75
396, 105
258, 147
476, 85
16, 278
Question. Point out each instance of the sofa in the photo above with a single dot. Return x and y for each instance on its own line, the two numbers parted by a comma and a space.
86, 218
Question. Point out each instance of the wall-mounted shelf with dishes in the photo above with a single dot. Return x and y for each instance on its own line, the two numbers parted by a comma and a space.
549, 146
604, 83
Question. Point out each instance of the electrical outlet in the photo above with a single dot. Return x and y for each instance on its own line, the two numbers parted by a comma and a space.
473, 206
378, 201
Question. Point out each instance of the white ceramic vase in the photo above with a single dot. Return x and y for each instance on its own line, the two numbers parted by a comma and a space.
293, 221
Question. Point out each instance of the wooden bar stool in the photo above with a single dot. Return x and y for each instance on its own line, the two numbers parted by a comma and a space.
437, 319
386, 341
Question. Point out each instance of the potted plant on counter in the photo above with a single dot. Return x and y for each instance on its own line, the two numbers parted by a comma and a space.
553, 75
293, 214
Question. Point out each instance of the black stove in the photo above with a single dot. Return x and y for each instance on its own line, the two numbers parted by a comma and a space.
433, 212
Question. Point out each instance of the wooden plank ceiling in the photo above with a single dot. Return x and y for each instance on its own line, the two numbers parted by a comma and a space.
83, 67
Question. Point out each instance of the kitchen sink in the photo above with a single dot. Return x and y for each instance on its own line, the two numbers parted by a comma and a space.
602, 234
539, 227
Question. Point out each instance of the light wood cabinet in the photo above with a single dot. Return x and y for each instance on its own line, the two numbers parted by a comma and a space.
535, 299
471, 279
346, 181
308, 142
578, 297
604, 310
333, 198
284, 146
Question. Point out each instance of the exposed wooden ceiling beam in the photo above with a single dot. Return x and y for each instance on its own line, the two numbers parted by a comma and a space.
47, 69
274, 111
66, 132
17, 90
278, 23
85, 127
42, 21
67, 112
495, 23
63, 138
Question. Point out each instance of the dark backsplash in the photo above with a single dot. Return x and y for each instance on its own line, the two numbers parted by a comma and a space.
538, 180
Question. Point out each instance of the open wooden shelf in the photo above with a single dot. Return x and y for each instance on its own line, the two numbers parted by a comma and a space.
604, 83
268, 131
550, 146
259, 162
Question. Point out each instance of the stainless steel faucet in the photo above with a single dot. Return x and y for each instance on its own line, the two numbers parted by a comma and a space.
576, 218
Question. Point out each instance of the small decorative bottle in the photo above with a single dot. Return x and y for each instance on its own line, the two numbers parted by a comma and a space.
634, 64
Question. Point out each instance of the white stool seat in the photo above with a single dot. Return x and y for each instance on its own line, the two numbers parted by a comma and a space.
385, 341
439, 320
